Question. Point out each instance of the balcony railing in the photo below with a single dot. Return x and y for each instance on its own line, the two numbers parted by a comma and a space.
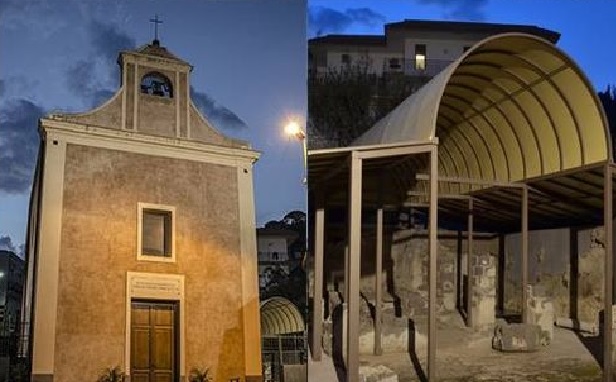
407, 66
414, 66
272, 256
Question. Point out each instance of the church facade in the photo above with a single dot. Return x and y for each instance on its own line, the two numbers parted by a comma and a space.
141, 248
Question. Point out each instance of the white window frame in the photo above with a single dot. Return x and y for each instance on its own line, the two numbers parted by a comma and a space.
159, 207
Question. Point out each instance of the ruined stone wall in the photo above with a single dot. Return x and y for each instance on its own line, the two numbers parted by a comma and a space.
406, 265
567, 263
410, 256
98, 246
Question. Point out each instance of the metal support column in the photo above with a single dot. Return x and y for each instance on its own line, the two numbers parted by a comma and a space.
345, 291
469, 267
433, 253
354, 263
379, 283
524, 268
609, 261
317, 301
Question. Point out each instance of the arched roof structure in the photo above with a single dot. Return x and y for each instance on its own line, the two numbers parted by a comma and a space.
513, 107
280, 316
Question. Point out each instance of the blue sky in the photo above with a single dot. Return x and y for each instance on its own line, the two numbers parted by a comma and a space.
249, 58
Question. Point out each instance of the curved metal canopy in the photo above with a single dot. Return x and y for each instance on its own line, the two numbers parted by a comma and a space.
513, 107
280, 316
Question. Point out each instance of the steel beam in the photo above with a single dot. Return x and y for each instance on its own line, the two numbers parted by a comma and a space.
479, 182
469, 267
608, 274
524, 268
354, 263
317, 305
378, 324
433, 253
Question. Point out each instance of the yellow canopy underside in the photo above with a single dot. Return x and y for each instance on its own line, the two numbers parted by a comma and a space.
511, 108
280, 316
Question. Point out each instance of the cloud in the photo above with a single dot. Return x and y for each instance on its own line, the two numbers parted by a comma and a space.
6, 244
94, 77
218, 114
2, 87
322, 20
467, 10
18, 144
108, 40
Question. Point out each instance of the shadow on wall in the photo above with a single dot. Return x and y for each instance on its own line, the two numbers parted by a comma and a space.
421, 375
337, 342
231, 355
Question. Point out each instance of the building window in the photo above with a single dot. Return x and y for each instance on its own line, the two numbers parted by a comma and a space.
346, 59
156, 84
394, 63
420, 56
155, 232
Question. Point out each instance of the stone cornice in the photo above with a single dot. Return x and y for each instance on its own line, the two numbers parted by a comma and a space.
132, 141
155, 61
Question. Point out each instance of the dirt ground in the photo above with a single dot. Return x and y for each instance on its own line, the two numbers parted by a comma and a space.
569, 357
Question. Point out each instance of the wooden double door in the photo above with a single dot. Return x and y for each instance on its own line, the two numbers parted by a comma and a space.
154, 341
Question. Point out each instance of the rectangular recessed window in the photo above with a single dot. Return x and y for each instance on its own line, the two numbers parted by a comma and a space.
346, 59
420, 56
155, 232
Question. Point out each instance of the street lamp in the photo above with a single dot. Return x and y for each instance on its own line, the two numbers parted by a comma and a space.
293, 129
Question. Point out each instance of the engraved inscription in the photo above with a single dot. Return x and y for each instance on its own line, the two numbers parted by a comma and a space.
155, 287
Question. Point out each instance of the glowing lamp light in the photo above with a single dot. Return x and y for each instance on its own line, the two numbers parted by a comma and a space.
293, 129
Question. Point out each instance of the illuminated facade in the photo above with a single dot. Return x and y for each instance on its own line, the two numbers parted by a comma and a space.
142, 248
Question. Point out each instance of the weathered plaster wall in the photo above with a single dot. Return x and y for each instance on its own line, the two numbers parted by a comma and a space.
102, 189
568, 263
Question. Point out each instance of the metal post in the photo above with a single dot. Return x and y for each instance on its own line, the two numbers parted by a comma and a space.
317, 301
607, 310
354, 260
432, 276
469, 267
524, 268
345, 291
379, 283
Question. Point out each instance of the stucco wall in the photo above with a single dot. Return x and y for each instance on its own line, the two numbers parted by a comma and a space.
102, 189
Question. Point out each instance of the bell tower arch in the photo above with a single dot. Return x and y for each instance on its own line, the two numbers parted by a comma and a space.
156, 97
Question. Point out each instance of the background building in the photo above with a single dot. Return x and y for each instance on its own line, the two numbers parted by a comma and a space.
412, 47
275, 259
11, 288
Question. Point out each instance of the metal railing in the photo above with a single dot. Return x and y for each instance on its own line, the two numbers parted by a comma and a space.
280, 350
13, 349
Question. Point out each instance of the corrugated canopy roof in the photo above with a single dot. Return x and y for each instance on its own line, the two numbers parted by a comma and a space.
280, 316
511, 108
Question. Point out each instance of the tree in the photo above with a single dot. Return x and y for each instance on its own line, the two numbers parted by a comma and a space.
342, 105
608, 99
